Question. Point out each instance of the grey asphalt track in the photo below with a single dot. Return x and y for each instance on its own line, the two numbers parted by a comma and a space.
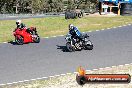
17, 63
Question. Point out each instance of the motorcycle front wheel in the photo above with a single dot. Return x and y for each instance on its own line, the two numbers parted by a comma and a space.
19, 40
88, 46
37, 39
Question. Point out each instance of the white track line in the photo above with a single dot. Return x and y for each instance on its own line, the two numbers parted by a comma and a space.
101, 68
61, 35
95, 69
75, 72
108, 28
57, 75
121, 65
51, 76
15, 82
91, 31
20, 81
114, 66
61, 75
85, 32
44, 77
114, 27
124, 25
39, 78
127, 64
26, 80
88, 31
33, 79
107, 67
3, 84
9, 83
119, 26
46, 37
68, 73
102, 29
88, 70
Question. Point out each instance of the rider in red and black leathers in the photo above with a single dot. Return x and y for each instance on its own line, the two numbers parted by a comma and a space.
22, 26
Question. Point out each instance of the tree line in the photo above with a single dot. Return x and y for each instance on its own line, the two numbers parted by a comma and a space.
44, 6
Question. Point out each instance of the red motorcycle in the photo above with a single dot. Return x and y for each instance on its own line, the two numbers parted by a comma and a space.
24, 36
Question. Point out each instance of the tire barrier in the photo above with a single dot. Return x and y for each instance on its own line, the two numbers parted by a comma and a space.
73, 15
126, 9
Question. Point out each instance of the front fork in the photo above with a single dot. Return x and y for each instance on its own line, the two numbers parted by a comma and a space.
17, 36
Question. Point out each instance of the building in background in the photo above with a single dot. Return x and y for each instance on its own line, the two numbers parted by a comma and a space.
119, 7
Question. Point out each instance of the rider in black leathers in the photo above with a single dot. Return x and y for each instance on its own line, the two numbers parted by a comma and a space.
76, 34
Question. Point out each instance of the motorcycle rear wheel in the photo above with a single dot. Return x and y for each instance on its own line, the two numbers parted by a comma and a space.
69, 47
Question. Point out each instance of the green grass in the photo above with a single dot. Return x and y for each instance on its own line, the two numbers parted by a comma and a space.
52, 26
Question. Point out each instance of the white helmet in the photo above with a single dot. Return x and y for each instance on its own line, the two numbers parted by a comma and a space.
18, 22
71, 26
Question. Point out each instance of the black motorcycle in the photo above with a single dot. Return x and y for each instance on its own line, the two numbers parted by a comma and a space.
77, 44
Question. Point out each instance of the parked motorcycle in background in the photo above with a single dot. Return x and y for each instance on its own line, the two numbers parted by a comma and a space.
85, 43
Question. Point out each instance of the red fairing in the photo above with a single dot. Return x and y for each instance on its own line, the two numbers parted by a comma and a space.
26, 36
33, 28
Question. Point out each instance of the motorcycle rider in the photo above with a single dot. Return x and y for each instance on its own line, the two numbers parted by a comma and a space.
21, 26
76, 34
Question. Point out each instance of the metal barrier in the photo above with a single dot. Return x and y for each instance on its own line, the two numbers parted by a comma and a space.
24, 16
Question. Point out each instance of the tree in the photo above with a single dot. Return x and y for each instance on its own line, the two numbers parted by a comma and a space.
57, 5
43, 6
71, 5
6, 6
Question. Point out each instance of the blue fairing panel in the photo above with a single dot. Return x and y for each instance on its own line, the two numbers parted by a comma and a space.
77, 31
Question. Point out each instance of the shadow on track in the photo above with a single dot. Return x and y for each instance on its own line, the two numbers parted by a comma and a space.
13, 43
63, 48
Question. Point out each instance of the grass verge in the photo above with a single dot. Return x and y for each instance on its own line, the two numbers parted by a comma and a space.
68, 81
53, 26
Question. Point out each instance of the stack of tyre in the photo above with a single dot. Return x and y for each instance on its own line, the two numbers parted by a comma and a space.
73, 15
126, 9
